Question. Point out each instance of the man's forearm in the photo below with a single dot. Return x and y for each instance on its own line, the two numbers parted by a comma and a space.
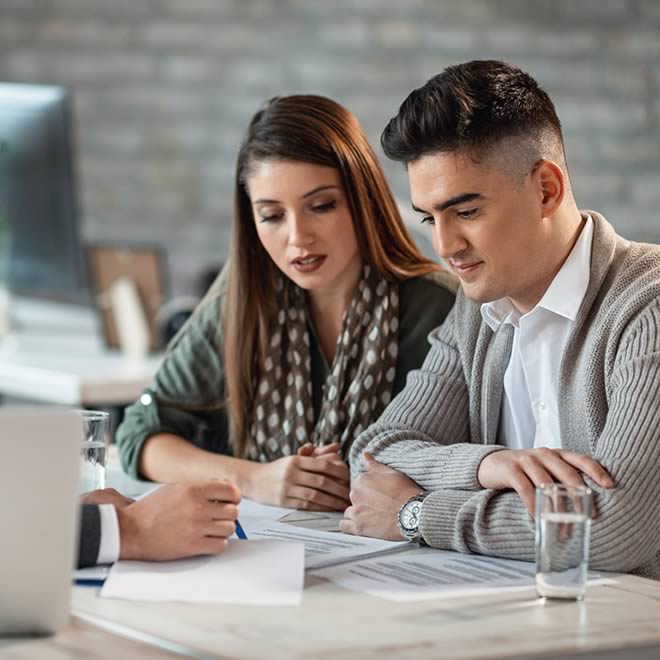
624, 531
432, 408
431, 465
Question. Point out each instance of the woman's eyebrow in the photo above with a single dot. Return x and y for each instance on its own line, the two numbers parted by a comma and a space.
319, 189
263, 200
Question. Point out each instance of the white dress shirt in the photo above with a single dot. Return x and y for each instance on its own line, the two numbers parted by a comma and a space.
109, 546
530, 415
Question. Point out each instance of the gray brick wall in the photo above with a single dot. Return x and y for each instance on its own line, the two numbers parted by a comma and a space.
164, 88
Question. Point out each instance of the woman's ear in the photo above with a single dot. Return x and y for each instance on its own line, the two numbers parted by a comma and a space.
551, 183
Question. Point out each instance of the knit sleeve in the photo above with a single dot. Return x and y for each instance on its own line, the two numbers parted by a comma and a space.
425, 431
186, 397
625, 533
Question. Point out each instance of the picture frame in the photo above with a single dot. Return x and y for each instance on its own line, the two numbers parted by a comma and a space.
144, 265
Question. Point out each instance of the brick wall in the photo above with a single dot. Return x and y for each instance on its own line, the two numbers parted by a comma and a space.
164, 89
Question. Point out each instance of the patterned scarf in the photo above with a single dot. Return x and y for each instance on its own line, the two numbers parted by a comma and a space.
358, 386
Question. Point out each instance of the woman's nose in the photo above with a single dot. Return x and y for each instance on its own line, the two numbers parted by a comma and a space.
299, 234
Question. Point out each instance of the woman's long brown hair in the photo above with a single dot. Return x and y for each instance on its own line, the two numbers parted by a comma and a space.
307, 129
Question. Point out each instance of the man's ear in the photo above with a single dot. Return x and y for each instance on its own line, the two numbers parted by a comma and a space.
551, 185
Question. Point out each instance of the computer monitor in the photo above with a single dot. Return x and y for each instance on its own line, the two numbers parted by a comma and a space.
38, 194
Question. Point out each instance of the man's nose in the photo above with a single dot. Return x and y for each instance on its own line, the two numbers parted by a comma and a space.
446, 240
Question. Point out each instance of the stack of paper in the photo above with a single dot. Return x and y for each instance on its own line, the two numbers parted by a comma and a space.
325, 548
425, 573
268, 569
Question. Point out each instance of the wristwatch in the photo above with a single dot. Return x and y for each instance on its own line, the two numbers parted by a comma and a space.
408, 517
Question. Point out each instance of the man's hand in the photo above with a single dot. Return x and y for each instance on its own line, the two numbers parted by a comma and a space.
179, 520
524, 469
106, 496
303, 482
377, 495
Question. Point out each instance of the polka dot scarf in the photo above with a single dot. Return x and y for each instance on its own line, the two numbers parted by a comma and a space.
358, 386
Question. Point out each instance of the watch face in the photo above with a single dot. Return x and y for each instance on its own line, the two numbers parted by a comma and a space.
410, 516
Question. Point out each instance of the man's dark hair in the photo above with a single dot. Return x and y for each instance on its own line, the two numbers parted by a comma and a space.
473, 108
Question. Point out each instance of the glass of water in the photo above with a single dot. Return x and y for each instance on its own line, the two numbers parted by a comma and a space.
93, 449
563, 525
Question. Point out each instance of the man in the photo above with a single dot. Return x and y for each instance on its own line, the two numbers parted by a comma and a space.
548, 367
175, 521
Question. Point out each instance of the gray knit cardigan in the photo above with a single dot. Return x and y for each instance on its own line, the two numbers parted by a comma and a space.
445, 421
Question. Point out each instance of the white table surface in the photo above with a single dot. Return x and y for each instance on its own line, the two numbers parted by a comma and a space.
618, 622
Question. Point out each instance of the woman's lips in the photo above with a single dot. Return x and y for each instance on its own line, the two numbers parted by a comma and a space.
309, 264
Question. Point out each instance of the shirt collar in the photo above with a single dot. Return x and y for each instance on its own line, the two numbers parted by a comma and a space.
499, 311
565, 293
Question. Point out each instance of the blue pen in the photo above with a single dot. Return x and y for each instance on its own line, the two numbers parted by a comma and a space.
89, 583
240, 532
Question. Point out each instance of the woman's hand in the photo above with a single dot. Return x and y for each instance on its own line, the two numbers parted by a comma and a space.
331, 451
316, 482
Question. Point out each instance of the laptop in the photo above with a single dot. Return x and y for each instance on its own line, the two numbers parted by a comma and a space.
39, 468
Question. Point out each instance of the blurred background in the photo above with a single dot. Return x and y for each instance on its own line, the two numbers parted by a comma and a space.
163, 89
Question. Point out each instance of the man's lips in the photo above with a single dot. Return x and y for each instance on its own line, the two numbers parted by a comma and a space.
465, 268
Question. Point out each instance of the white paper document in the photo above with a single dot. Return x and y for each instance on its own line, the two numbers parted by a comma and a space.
256, 510
425, 574
247, 573
323, 548
327, 521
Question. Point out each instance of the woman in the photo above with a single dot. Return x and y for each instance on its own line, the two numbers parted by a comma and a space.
308, 333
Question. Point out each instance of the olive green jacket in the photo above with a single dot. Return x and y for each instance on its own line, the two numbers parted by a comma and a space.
192, 371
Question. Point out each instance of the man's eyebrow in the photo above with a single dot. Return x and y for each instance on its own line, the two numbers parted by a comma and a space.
309, 193
452, 201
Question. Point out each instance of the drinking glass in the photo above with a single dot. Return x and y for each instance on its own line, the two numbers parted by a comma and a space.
563, 525
93, 449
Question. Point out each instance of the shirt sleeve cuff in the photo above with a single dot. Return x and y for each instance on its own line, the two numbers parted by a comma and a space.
109, 546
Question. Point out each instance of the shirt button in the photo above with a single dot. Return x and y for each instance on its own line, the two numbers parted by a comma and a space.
542, 405
146, 399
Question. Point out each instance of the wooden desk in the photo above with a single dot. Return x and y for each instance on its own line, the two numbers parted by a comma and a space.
334, 623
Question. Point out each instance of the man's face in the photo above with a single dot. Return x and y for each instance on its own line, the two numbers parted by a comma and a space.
488, 227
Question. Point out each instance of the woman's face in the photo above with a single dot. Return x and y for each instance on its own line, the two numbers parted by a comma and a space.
304, 223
